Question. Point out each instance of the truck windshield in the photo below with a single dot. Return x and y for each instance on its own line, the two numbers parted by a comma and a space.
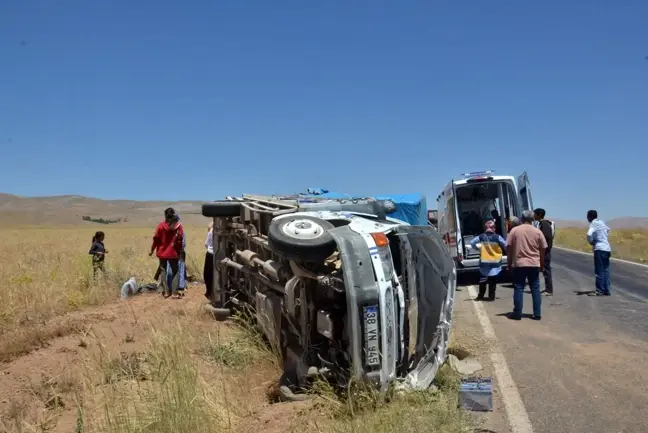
480, 202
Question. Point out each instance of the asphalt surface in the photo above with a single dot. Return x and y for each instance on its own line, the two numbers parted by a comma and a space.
584, 367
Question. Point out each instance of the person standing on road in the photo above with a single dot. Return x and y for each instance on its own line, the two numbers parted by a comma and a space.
597, 237
548, 229
167, 244
208, 268
490, 259
525, 246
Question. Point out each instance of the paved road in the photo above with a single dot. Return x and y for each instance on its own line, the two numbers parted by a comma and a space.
584, 367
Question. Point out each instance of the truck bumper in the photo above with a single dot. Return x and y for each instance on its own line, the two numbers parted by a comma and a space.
362, 290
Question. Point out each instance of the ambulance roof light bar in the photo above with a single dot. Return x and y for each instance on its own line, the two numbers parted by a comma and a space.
479, 173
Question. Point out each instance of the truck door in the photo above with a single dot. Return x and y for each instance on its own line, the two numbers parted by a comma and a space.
430, 285
449, 221
524, 189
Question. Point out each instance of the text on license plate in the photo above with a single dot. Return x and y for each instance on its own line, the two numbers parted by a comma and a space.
371, 336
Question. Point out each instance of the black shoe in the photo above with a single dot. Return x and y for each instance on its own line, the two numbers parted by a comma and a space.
536, 317
491, 298
514, 316
479, 298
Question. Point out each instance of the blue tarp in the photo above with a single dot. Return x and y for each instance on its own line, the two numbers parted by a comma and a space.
411, 208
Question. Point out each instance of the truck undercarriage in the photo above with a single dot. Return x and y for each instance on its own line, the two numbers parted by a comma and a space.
338, 288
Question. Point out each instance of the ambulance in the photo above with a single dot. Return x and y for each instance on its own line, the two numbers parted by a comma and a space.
466, 203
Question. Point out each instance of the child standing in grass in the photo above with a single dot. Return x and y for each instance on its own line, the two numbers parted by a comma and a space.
98, 252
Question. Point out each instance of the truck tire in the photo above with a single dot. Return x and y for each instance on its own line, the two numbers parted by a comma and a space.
302, 238
221, 208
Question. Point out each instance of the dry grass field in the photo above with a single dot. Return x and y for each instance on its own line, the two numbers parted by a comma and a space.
628, 244
75, 358
48, 272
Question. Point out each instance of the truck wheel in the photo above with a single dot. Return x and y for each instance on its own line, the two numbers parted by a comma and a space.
222, 208
302, 238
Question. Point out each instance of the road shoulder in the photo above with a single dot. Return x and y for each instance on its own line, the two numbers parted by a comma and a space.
468, 334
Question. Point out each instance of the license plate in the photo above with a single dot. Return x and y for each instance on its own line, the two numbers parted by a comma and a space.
372, 357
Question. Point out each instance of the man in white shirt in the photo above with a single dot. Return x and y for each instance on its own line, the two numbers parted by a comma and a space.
597, 237
208, 269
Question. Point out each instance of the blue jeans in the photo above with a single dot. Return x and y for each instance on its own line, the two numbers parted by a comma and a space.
520, 277
602, 271
182, 281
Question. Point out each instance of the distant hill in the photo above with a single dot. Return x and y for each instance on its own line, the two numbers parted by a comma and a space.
560, 223
628, 222
614, 223
70, 209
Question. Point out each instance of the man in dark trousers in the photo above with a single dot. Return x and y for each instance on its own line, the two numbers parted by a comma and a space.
547, 228
525, 248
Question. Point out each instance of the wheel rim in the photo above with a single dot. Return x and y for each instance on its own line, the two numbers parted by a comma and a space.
303, 229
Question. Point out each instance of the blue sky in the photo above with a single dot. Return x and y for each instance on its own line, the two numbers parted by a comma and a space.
196, 100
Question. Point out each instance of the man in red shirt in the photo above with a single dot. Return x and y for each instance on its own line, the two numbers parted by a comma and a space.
167, 243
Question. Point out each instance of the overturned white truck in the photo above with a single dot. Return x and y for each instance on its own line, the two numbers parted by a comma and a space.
344, 288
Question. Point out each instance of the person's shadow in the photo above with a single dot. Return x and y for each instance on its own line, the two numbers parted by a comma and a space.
509, 314
583, 292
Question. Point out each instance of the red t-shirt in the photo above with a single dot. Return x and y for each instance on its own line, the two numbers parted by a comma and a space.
167, 240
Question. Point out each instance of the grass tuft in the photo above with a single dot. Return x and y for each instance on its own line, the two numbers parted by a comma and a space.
175, 399
433, 410
229, 354
362, 408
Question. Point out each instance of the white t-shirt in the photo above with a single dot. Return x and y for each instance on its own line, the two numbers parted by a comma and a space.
209, 242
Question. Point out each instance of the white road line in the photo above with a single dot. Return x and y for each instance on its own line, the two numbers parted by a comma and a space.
515, 411
611, 258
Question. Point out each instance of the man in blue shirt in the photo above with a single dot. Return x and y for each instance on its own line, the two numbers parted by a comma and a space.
597, 237
492, 247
